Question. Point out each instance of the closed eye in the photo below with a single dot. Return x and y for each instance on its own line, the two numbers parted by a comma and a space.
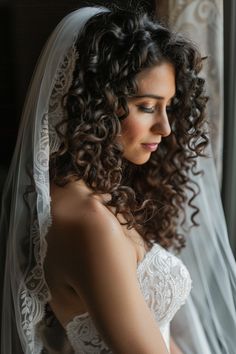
146, 109
169, 109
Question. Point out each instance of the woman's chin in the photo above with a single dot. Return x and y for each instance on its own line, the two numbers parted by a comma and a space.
138, 160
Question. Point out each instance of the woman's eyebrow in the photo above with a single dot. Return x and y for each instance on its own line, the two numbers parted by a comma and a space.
152, 96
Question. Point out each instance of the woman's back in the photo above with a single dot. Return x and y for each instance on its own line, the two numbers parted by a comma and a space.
97, 280
70, 206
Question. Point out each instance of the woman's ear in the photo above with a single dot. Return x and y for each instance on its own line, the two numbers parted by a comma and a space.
121, 112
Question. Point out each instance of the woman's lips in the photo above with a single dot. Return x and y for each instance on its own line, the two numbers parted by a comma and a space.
150, 147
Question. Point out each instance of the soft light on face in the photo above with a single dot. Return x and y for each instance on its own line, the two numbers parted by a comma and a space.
147, 122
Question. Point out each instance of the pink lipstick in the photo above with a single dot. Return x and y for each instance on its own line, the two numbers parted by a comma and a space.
150, 147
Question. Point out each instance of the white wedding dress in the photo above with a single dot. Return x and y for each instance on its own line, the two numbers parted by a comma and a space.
165, 283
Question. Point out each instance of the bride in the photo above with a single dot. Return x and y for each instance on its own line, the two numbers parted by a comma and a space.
104, 177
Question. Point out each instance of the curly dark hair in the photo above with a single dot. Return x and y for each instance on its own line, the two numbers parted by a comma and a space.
113, 48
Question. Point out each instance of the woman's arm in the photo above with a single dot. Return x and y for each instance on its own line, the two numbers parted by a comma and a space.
174, 349
102, 270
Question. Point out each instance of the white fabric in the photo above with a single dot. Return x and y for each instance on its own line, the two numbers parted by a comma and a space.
165, 284
207, 323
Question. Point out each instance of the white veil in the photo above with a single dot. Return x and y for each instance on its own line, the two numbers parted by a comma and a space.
205, 325
207, 322
26, 199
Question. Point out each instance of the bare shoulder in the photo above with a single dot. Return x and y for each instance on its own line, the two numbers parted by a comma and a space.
82, 223
99, 265
75, 205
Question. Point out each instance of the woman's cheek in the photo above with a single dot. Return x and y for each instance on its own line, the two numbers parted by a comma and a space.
132, 129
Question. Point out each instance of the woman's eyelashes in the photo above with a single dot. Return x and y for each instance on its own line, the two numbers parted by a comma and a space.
148, 109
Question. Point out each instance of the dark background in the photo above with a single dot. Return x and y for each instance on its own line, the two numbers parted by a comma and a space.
25, 26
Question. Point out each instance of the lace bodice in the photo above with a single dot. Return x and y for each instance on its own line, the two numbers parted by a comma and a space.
165, 284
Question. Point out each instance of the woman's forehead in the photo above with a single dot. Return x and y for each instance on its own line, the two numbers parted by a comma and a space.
157, 81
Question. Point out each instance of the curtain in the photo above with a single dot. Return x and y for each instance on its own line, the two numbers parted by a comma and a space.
202, 21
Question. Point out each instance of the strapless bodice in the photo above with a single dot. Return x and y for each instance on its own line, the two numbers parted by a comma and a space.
165, 284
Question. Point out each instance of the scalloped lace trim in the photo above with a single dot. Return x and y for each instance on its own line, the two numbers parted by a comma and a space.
165, 284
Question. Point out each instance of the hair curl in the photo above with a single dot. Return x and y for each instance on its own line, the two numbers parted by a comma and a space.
113, 47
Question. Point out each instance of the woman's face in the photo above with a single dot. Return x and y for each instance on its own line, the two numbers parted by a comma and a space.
147, 122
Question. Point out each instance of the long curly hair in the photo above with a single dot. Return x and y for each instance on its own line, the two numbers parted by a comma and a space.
113, 48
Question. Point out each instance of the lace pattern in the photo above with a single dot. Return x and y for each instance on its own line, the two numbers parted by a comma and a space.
84, 337
56, 110
165, 284
28, 187
33, 292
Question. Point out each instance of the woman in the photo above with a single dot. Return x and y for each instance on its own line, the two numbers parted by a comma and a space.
101, 178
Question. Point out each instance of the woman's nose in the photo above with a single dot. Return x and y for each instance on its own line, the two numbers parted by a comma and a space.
162, 125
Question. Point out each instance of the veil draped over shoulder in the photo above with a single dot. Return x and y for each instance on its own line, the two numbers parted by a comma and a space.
26, 199
206, 324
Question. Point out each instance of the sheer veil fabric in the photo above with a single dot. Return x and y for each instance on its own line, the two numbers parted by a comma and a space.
26, 201
206, 324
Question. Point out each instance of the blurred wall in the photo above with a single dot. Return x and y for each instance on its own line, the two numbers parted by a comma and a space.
202, 22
